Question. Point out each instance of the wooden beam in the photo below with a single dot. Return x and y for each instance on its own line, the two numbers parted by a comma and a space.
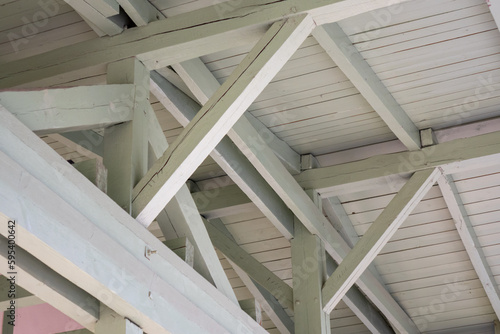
111, 26
361, 307
384, 227
258, 272
95, 172
106, 257
252, 308
69, 109
346, 56
284, 184
222, 202
227, 155
48, 285
7, 328
181, 37
495, 11
105, 7
141, 12
217, 116
87, 142
469, 238
183, 248
497, 326
269, 303
309, 272
203, 85
126, 144
459, 154
111, 322
182, 213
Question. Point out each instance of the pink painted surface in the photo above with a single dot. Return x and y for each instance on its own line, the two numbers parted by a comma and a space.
42, 319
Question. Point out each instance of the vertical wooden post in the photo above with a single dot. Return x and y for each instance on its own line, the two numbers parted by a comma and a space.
6, 327
309, 275
126, 144
111, 322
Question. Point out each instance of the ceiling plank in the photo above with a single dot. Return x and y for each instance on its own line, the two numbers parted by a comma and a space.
106, 257
345, 55
48, 285
218, 115
181, 37
379, 233
470, 240
59, 110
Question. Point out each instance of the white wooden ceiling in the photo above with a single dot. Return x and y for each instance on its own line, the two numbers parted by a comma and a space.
440, 60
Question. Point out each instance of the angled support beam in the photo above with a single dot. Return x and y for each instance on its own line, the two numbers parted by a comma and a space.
111, 26
181, 37
86, 142
384, 227
69, 109
106, 257
339, 47
217, 116
227, 155
309, 272
183, 248
111, 322
140, 11
495, 10
48, 285
107, 8
182, 213
284, 184
458, 154
269, 303
257, 271
470, 240
203, 85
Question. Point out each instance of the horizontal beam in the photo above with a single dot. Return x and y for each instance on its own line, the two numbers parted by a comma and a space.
181, 37
377, 236
48, 285
70, 109
459, 154
60, 207
218, 115
222, 202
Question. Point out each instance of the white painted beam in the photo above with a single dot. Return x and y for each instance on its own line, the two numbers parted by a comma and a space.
182, 37
105, 7
182, 213
218, 115
222, 202
126, 144
455, 155
495, 10
269, 303
309, 272
292, 193
87, 142
106, 258
340, 48
111, 322
47, 284
111, 26
258, 272
140, 11
69, 109
227, 155
379, 233
203, 85
470, 240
